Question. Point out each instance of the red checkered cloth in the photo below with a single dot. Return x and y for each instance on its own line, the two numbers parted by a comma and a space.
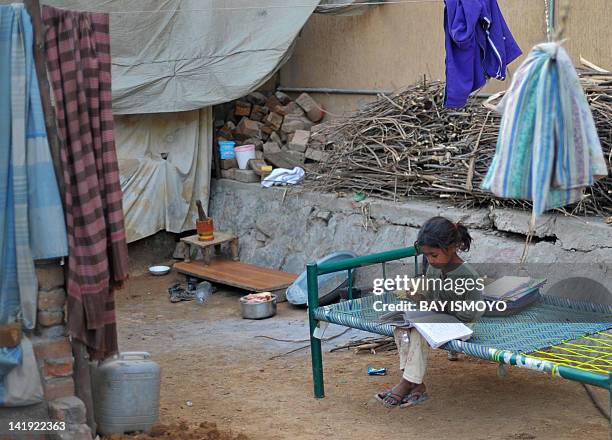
77, 46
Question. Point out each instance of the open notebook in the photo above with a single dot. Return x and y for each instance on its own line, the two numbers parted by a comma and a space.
436, 328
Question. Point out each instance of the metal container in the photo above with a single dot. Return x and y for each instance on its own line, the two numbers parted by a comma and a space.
259, 310
126, 393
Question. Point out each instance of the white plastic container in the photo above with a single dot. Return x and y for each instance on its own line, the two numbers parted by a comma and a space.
244, 153
126, 393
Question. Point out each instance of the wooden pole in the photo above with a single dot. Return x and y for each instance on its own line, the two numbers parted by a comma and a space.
82, 379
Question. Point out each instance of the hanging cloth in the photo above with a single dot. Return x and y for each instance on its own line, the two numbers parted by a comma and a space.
548, 149
32, 223
478, 45
78, 60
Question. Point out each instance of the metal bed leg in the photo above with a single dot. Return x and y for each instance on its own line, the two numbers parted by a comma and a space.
315, 343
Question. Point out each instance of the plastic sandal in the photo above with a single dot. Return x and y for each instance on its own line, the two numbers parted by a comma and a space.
414, 398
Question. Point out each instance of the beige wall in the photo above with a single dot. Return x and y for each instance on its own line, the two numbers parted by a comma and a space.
391, 46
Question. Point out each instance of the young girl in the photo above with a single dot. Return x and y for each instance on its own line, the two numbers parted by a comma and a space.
439, 240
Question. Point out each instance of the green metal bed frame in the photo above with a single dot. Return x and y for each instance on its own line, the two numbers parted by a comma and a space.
316, 315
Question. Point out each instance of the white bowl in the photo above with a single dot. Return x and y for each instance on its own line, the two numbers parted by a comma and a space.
159, 270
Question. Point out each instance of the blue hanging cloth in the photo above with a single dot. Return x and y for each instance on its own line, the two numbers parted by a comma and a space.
548, 149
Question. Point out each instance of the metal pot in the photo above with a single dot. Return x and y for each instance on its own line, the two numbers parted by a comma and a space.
259, 310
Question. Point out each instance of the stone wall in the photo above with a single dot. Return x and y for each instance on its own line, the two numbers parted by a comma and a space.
284, 228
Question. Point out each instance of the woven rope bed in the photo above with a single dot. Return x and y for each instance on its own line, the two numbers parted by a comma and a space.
563, 337
552, 323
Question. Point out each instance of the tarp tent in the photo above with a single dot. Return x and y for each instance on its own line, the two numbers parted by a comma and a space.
183, 56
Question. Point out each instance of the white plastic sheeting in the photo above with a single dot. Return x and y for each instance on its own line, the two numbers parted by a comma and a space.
178, 55
160, 193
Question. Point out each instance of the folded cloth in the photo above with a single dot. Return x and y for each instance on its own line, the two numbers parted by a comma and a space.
283, 176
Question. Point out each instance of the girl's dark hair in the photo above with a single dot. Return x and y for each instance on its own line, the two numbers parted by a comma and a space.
440, 232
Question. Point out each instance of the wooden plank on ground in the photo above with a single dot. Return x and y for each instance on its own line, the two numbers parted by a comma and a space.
237, 274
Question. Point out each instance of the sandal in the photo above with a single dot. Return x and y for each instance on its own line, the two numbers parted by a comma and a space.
414, 398
382, 396
177, 294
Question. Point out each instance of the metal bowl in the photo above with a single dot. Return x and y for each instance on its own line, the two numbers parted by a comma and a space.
259, 310
159, 270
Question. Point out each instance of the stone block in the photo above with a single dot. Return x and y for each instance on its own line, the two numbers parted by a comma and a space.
316, 155
312, 109
271, 147
246, 176
75, 432
299, 140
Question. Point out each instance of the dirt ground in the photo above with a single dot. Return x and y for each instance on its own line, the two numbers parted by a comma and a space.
216, 370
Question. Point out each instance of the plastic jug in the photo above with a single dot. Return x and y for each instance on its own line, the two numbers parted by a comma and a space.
126, 393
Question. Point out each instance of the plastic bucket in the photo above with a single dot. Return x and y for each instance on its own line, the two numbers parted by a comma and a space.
243, 154
226, 149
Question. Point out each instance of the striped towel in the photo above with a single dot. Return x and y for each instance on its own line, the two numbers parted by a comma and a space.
77, 46
32, 225
548, 149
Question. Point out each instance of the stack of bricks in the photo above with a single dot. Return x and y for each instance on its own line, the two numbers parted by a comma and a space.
54, 353
282, 130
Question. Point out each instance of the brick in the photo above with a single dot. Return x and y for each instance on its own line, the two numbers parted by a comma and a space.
256, 98
259, 113
247, 128
227, 131
52, 299
316, 155
283, 98
310, 106
292, 123
271, 147
259, 155
274, 137
291, 109
228, 174
246, 176
50, 276
243, 109
58, 387
286, 159
10, 335
55, 331
51, 348
58, 367
227, 164
274, 121
273, 103
47, 318
254, 141
299, 141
